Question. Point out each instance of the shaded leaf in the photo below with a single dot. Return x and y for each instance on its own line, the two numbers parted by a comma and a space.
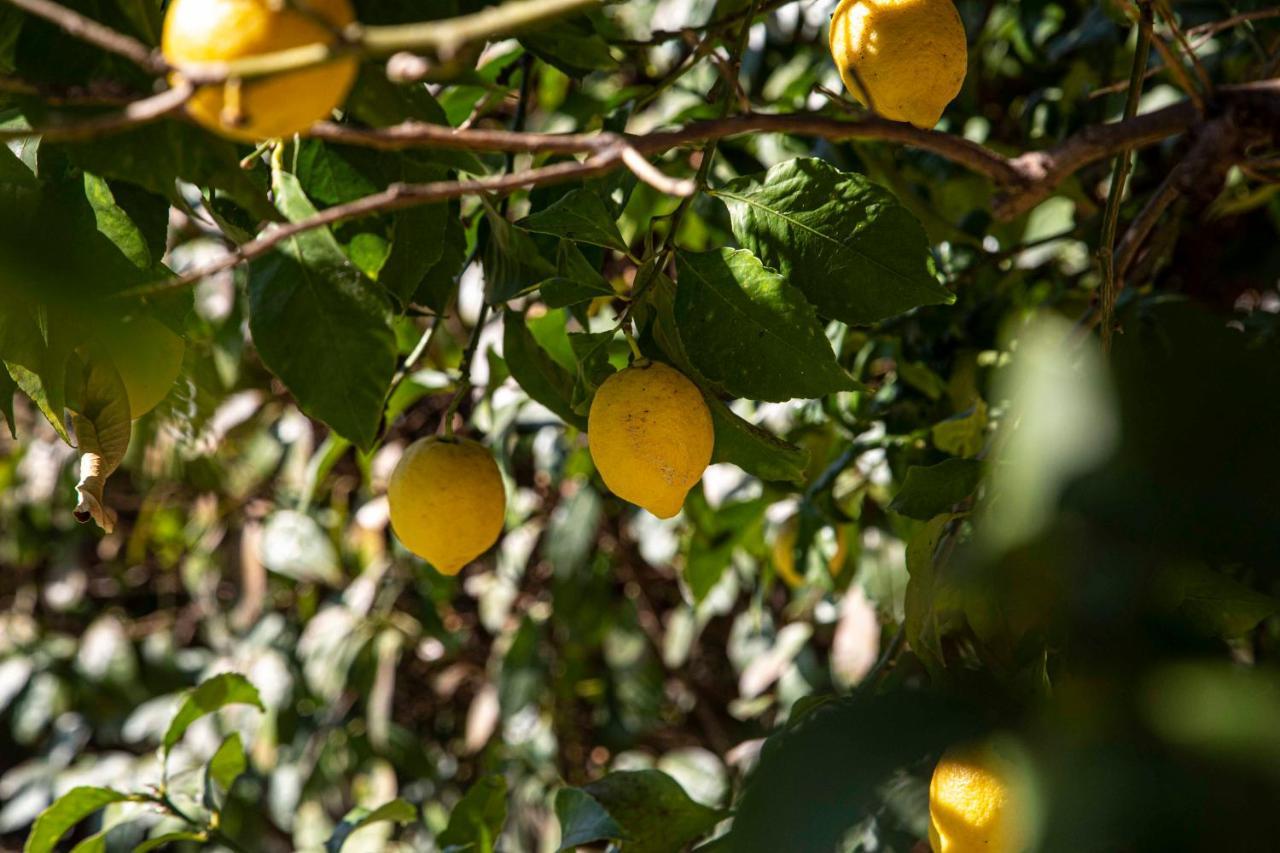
478, 817
583, 820
745, 328
858, 255
537, 373
653, 810
511, 259
962, 434
933, 489
440, 280
1213, 602
169, 838
100, 417
397, 811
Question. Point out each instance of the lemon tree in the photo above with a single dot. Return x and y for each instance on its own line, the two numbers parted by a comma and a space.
723, 425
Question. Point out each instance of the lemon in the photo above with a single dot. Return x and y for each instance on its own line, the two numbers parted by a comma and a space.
447, 501
650, 435
979, 801
910, 54
203, 31
784, 552
148, 357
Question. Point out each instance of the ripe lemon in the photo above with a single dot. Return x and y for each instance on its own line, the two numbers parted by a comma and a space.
784, 552
198, 31
650, 436
148, 357
447, 501
910, 54
979, 801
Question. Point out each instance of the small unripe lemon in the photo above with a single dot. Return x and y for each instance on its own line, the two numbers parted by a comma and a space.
650, 436
447, 501
979, 800
910, 54
204, 31
148, 356
784, 552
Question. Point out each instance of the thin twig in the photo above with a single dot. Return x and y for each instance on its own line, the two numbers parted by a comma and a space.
1120, 176
88, 30
133, 115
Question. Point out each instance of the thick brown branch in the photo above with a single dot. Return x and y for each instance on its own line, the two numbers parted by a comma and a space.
89, 30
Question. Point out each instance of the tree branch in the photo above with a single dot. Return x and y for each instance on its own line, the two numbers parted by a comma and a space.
89, 30
134, 114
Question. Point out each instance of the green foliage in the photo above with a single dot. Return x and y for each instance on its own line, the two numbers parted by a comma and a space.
998, 524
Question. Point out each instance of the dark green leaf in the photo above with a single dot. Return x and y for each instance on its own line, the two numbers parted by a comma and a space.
591, 350
934, 489
753, 449
36, 355
858, 255
398, 811
438, 283
211, 695
745, 328
821, 777
223, 769
418, 238
478, 817
581, 216
68, 810
920, 621
571, 46
536, 372
653, 810
115, 224
7, 389
511, 259
1213, 602
962, 434
583, 820
321, 326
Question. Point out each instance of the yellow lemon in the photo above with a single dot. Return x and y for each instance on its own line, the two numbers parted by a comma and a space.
447, 501
909, 54
203, 31
148, 356
650, 436
979, 800
784, 552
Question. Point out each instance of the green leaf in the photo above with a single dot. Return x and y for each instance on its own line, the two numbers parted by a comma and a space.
578, 215
115, 224
511, 259
211, 695
934, 489
321, 326
7, 389
858, 255
572, 46
397, 811
101, 418
156, 156
653, 810
35, 349
223, 769
921, 621
756, 451
418, 239
439, 282
1216, 604
478, 817
583, 820
536, 372
169, 838
962, 434
68, 810
591, 351
745, 328
821, 777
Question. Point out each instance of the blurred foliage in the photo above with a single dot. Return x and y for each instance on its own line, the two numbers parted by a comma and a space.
995, 526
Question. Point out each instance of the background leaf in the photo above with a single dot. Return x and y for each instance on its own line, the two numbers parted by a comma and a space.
213, 694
